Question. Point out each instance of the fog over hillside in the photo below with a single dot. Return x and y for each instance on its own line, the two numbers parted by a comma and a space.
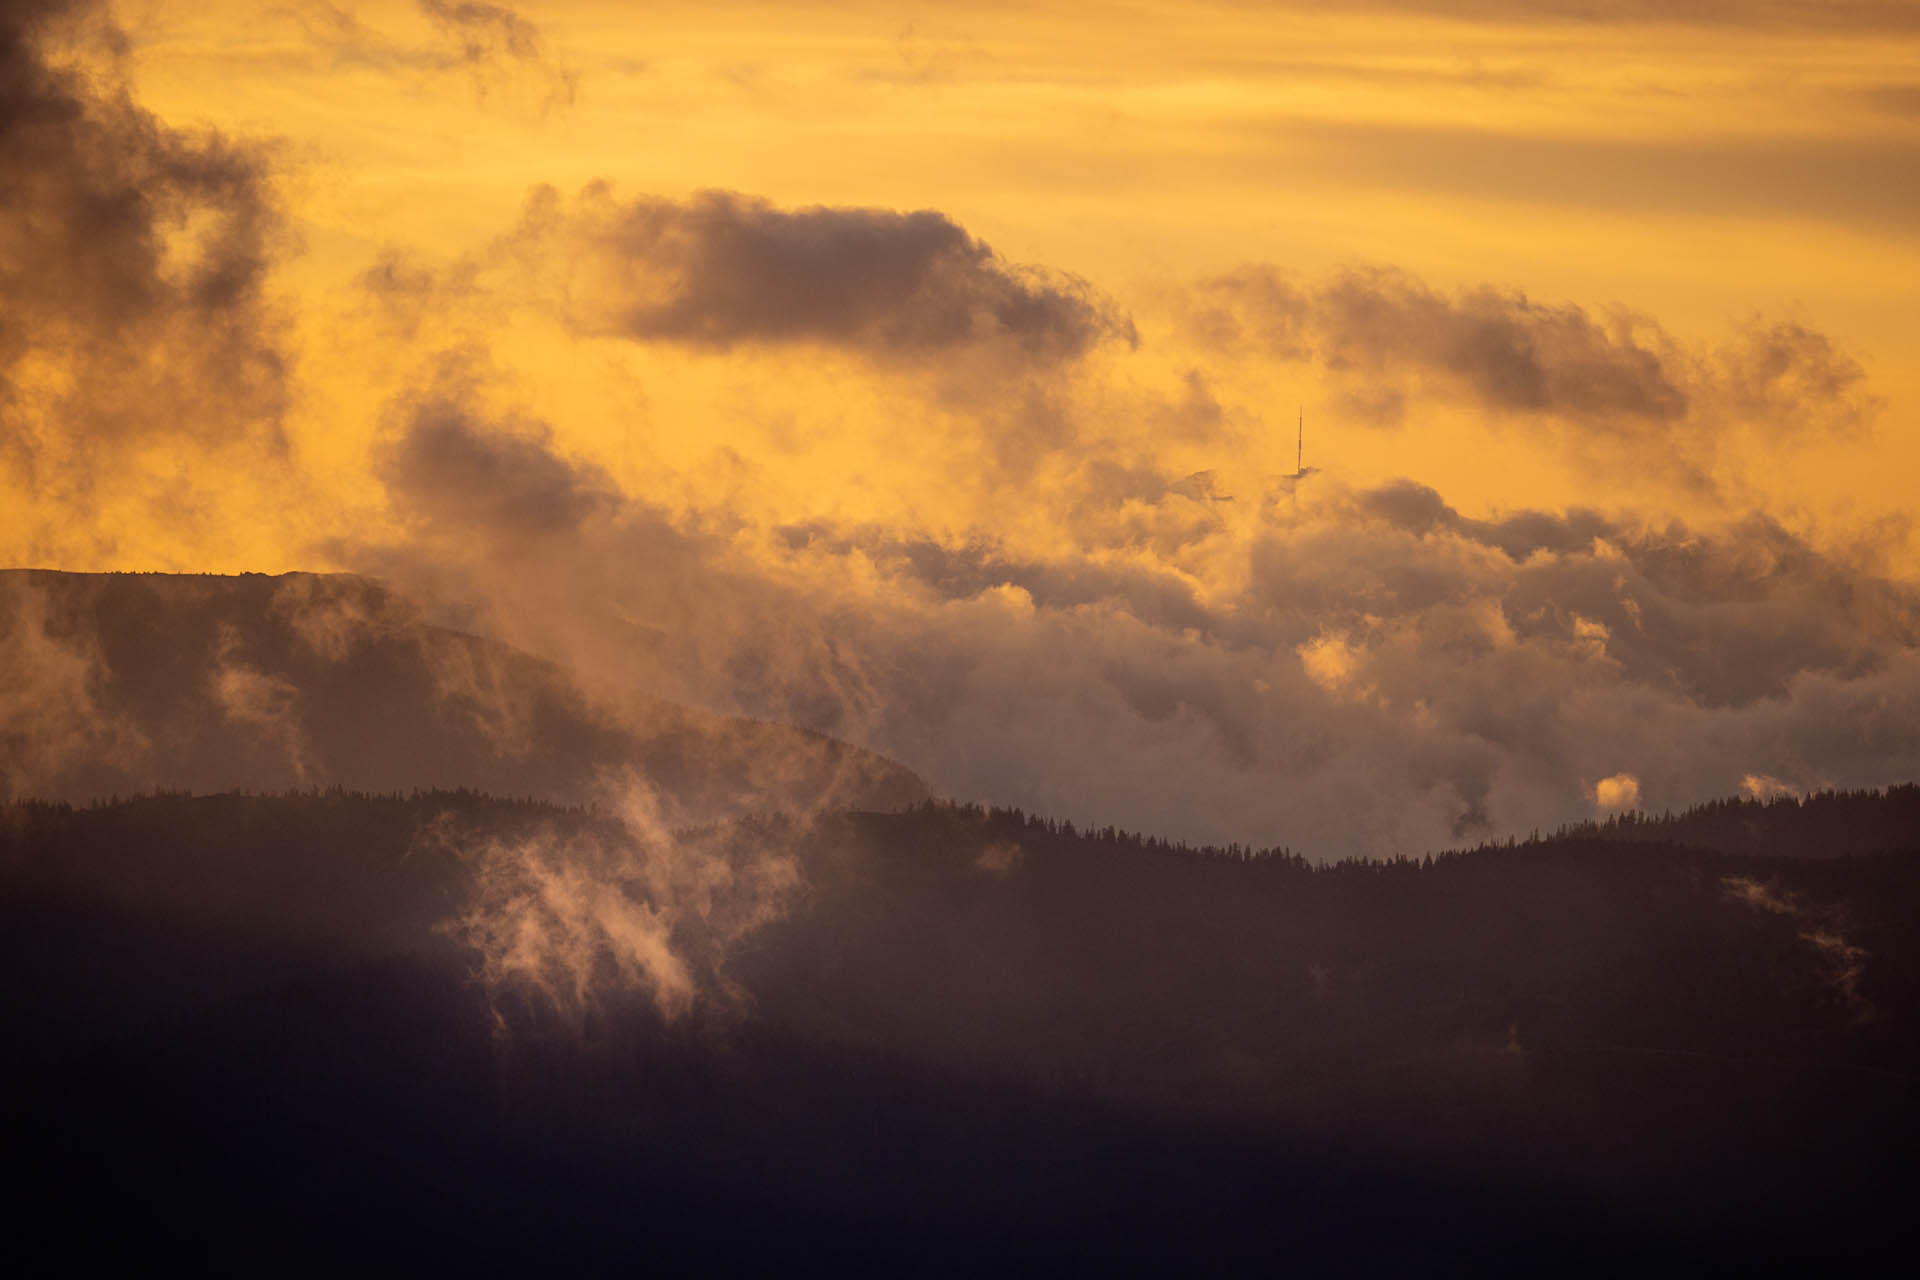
128, 682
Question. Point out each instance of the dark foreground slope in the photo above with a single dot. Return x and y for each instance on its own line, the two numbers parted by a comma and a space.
244, 1033
124, 683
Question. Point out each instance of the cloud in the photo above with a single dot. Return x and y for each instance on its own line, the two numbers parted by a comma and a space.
502, 52
1615, 388
334, 616
134, 260
723, 269
1791, 380
1841, 966
1509, 353
1759, 896
453, 472
1844, 966
1729, 617
266, 705
488, 510
497, 528
53, 705
998, 859
570, 922
484, 31
965, 570
1621, 791
1373, 672
1379, 328
487, 37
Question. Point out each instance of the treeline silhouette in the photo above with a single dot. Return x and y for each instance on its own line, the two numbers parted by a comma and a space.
1820, 824
242, 1033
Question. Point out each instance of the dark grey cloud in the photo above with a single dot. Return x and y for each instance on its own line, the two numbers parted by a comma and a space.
1725, 618
450, 470
93, 184
1510, 352
1610, 386
134, 260
1501, 348
724, 269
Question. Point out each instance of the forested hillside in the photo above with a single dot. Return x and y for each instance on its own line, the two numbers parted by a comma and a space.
1825, 824
479, 1024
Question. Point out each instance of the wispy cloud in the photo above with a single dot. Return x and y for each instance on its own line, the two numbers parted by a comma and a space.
501, 52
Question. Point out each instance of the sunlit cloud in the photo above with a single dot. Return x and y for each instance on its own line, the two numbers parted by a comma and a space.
1621, 791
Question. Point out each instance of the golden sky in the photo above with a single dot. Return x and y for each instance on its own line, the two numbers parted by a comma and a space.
1743, 169
876, 326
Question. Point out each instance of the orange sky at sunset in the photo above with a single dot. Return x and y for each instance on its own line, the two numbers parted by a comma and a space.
1699, 176
928, 375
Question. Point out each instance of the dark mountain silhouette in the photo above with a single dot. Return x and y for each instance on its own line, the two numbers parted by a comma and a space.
133, 682
966, 1038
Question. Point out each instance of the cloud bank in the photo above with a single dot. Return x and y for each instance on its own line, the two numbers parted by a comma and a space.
852, 468
1380, 673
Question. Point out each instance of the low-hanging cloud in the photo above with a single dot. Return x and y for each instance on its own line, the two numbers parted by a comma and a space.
570, 922
55, 715
1840, 965
1372, 672
265, 706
